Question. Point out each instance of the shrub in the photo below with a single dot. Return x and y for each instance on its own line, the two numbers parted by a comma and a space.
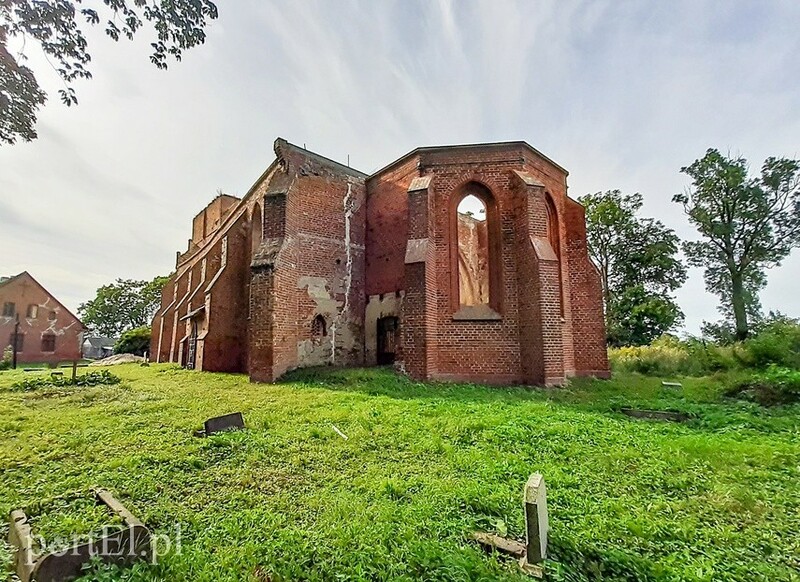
666, 356
777, 342
88, 379
134, 341
5, 362
771, 387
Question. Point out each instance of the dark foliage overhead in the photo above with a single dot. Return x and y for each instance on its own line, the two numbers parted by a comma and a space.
57, 27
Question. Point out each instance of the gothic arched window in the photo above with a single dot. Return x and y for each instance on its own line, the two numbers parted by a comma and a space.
476, 286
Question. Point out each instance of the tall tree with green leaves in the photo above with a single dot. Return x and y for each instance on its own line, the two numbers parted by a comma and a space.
57, 28
639, 267
747, 224
123, 305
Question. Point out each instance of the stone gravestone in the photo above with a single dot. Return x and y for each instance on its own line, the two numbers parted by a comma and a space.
217, 424
536, 525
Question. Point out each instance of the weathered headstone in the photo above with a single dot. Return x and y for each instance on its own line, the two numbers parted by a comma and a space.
536, 525
668, 415
533, 552
121, 547
224, 423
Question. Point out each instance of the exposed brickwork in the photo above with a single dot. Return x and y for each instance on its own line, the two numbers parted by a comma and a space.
282, 277
528, 336
49, 332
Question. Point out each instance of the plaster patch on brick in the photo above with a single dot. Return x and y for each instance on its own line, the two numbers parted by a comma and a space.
544, 251
416, 251
349, 209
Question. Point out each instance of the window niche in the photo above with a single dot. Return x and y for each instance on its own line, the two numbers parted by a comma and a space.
475, 274
554, 238
473, 252
319, 328
256, 228
49, 342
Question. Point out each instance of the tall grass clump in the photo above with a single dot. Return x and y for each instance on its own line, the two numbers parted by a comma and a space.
666, 356
776, 343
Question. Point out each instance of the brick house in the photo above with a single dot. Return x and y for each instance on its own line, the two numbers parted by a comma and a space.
455, 262
48, 331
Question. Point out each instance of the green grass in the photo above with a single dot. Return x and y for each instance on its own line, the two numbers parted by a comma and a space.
424, 465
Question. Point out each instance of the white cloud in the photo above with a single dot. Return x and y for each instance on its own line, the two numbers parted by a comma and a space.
621, 93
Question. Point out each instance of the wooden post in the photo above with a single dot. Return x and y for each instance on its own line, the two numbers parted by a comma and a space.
536, 524
74, 369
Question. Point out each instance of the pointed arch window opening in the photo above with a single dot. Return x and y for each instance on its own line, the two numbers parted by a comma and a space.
319, 328
473, 252
256, 229
475, 274
554, 238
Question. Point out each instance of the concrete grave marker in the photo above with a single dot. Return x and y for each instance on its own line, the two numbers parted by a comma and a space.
536, 524
234, 421
533, 552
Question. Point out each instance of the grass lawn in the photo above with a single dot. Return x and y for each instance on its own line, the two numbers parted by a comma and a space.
424, 465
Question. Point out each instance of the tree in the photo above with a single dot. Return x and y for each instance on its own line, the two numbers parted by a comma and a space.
55, 26
639, 267
123, 305
747, 224
134, 341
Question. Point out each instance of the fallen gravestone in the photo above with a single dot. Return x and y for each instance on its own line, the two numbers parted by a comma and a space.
668, 415
121, 547
223, 423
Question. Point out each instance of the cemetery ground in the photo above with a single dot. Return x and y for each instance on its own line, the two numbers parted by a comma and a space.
422, 467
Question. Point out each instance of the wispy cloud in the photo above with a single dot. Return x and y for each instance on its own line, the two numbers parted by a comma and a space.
621, 93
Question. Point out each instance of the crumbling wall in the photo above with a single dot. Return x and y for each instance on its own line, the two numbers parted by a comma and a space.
473, 261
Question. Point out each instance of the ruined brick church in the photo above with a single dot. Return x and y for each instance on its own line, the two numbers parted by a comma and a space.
460, 263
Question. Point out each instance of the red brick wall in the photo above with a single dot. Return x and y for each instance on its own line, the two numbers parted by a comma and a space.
225, 343
387, 228
330, 240
314, 238
52, 318
591, 355
531, 338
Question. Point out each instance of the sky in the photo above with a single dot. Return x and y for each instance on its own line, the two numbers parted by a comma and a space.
621, 93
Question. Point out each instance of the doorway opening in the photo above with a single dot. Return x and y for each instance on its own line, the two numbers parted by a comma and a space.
388, 328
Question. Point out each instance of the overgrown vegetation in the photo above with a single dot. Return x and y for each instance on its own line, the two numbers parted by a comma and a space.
122, 306
424, 465
765, 368
134, 341
94, 378
773, 386
6, 360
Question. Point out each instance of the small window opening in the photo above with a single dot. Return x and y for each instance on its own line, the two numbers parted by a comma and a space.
473, 252
9, 309
52, 316
256, 229
319, 329
49, 342
33, 311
